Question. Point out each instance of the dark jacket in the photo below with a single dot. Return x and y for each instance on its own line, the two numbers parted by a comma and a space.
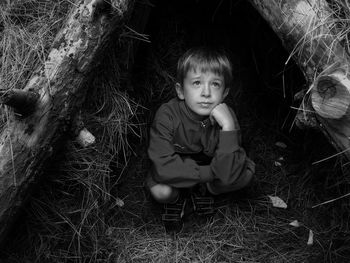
178, 137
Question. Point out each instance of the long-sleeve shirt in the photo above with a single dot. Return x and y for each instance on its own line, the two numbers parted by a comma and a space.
177, 134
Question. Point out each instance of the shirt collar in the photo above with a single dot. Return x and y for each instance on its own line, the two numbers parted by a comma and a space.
192, 115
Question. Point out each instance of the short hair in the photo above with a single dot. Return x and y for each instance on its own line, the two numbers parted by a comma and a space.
205, 59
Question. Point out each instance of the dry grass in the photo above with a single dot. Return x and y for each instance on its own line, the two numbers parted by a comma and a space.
325, 27
28, 28
340, 21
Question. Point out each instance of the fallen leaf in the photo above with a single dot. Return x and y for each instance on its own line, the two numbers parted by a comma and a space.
278, 164
109, 231
119, 202
277, 202
281, 145
295, 223
310, 241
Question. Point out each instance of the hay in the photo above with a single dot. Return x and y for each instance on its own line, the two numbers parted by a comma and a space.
28, 29
340, 21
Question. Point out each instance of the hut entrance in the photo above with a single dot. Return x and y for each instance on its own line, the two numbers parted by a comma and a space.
266, 93
264, 99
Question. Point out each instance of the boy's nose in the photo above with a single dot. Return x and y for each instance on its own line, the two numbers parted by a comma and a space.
206, 90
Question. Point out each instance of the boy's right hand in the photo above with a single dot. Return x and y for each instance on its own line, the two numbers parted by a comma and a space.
222, 115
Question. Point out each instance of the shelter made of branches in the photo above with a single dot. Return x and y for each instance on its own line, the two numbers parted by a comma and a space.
96, 72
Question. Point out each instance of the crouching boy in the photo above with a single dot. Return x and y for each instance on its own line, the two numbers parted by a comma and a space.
195, 138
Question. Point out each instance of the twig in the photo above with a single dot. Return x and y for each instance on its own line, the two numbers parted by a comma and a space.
330, 157
332, 200
12, 157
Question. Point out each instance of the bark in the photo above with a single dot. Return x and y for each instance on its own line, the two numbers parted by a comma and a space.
308, 33
28, 142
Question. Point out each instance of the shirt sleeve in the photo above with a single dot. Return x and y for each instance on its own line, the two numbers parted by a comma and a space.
230, 160
167, 166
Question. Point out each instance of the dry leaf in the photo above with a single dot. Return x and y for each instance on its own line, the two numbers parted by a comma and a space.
119, 202
109, 231
295, 223
310, 241
278, 164
281, 145
277, 202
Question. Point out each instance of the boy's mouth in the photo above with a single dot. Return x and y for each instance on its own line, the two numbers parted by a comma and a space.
205, 104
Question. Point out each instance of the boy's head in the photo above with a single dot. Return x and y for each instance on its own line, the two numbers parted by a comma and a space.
205, 59
204, 77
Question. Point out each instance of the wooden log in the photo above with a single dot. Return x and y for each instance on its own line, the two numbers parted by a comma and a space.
27, 144
330, 95
307, 31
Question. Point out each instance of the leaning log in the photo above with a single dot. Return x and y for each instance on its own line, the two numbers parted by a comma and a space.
43, 110
307, 31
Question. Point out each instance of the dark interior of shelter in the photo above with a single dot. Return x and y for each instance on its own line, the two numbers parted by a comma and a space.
266, 84
263, 98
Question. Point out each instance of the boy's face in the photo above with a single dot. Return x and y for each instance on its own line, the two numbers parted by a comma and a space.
202, 91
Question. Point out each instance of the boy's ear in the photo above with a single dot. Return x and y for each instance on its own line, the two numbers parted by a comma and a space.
179, 91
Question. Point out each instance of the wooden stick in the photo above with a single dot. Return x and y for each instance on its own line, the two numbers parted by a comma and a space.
23, 102
332, 200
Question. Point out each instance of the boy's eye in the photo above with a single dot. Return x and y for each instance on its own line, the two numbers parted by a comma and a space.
216, 84
196, 82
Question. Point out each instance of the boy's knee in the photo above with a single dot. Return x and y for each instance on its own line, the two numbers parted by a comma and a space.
163, 193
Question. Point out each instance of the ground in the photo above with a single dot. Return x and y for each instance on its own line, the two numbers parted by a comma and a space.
250, 229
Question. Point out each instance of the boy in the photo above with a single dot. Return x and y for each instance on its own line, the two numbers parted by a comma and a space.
194, 138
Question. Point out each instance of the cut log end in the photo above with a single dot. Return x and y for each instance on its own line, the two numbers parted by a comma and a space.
330, 95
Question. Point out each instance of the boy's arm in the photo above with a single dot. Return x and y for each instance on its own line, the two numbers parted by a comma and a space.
230, 159
168, 167
229, 162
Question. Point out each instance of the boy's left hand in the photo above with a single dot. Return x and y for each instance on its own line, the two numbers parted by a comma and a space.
222, 115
